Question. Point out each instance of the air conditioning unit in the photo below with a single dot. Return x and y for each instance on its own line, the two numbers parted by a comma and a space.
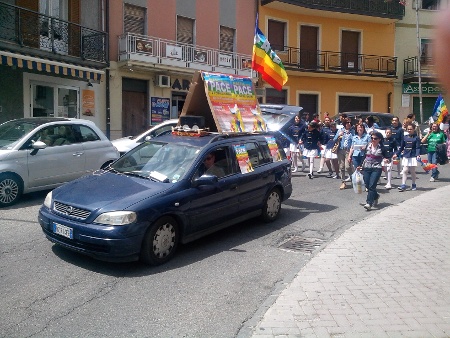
163, 81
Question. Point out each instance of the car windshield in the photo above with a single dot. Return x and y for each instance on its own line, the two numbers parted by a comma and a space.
159, 161
11, 132
275, 121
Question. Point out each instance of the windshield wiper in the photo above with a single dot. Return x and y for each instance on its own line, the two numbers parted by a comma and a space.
136, 173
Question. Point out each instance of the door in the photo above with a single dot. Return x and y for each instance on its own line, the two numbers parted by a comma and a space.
308, 47
309, 103
135, 114
350, 51
59, 162
354, 103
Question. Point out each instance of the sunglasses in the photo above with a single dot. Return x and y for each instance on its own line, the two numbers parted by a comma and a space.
375, 138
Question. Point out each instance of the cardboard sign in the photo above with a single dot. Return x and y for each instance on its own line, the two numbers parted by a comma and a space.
243, 159
227, 102
273, 147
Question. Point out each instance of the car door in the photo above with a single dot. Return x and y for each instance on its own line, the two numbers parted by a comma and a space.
61, 161
211, 205
255, 183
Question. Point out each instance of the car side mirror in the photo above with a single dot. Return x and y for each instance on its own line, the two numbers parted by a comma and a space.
38, 145
205, 180
147, 138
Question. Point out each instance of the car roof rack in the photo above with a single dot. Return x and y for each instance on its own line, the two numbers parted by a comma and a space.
223, 136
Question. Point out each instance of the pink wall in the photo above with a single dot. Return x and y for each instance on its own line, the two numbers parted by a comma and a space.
245, 25
162, 19
207, 22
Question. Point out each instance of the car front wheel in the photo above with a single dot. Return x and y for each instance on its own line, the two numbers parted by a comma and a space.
160, 242
272, 206
10, 189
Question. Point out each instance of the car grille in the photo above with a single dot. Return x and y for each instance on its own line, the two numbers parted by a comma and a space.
68, 210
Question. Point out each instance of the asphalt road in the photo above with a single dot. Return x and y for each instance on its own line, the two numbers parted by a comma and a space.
208, 290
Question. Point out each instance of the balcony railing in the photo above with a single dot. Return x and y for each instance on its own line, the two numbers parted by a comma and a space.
338, 62
391, 9
20, 27
411, 69
161, 52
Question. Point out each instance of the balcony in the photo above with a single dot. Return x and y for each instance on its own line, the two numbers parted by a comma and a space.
411, 70
295, 59
22, 30
158, 53
389, 9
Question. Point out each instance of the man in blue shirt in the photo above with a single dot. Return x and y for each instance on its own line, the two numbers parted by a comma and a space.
397, 132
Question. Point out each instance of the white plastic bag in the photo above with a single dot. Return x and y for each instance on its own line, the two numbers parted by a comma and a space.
358, 182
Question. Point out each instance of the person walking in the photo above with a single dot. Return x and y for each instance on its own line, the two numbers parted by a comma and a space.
410, 148
398, 134
371, 125
331, 160
346, 134
371, 168
390, 145
311, 144
434, 137
295, 131
325, 133
359, 143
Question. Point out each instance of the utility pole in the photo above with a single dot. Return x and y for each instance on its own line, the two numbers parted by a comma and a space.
419, 54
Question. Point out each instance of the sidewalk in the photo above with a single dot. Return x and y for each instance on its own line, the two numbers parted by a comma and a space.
387, 276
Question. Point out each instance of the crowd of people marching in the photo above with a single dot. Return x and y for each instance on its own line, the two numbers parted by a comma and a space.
345, 150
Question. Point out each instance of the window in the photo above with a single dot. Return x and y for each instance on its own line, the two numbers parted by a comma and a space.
217, 162
55, 101
185, 30
227, 39
276, 34
430, 4
134, 19
309, 102
276, 97
354, 103
426, 51
86, 134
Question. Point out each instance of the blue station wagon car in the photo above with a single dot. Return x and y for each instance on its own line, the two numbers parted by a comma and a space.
169, 190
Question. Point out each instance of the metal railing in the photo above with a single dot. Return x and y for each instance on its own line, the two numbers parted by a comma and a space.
411, 67
391, 9
338, 62
27, 28
156, 50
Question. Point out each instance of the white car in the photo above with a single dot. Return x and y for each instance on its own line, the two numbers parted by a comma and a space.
41, 153
127, 143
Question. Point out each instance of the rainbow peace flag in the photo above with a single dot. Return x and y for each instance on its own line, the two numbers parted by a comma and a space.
266, 62
439, 110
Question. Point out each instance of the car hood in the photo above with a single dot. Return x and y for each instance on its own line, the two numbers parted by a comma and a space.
105, 190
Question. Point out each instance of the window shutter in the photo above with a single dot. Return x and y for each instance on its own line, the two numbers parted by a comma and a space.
134, 19
74, 11
276, 34
185, 30
226, 39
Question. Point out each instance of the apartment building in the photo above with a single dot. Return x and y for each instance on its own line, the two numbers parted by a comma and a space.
339, 55
52, 59
414, 49
157, 45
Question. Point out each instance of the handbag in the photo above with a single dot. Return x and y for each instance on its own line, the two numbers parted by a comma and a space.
336, 144
357, 180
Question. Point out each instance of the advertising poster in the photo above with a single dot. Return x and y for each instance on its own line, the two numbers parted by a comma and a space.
243, 158
87, 102
273, 147
233, 103
160, 109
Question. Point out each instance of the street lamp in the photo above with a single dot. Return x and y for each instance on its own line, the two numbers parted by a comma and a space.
419, 68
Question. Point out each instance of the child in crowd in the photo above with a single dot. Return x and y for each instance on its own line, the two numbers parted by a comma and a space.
410, 147
295, 132
390, 145
311, 143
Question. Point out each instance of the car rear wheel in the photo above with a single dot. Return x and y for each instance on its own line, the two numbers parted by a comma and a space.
10, 189
272, 206
160, 242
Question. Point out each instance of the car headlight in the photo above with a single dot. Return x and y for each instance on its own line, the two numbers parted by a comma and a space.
116, 218
48, 200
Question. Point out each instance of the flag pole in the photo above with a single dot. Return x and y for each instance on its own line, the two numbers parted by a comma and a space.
419, 54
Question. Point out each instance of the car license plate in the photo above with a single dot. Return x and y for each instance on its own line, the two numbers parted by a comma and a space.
63, 230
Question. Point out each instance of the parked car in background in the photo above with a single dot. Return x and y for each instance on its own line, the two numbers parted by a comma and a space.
42, 153
279, 118
383, 120
127, 143
169, 190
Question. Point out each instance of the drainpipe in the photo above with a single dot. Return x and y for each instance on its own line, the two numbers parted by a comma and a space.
389, 102
108, 98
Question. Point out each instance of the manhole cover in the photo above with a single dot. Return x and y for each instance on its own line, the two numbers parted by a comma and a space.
302, 244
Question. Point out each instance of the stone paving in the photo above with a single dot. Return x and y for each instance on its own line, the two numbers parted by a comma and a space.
387, 276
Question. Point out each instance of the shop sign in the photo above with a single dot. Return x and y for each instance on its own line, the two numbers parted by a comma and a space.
88, 102
160, 109
173, 51
413, 88
225, 60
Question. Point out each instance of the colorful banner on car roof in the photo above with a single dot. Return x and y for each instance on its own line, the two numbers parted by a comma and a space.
233, 103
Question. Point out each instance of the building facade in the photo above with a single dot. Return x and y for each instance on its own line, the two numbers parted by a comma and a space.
52, 59
156, 46
414, 49
339, 56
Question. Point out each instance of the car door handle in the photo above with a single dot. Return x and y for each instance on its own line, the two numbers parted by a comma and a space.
78, 154
233, 186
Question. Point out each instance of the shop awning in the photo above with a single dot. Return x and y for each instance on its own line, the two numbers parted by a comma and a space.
49, 66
